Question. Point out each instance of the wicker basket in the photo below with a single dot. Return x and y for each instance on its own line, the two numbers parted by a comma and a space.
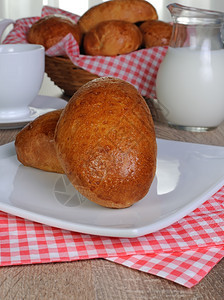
66, 75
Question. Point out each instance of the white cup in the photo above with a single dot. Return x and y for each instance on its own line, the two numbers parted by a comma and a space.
21, 75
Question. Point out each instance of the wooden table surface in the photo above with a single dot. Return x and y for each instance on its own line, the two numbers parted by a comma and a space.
103, 280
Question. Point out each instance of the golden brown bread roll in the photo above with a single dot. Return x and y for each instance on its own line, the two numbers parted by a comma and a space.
105, 142
128, 10
112, 38
50, 29
156, 33
35, 143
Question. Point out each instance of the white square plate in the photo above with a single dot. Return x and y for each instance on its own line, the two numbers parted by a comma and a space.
187, 175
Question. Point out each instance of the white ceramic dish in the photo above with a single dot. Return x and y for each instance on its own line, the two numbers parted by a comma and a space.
187, 175
39, 106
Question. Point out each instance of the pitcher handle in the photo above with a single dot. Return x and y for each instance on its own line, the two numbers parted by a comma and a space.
3, 25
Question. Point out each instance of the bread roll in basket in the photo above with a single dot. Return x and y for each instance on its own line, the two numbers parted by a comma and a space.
138, 67
132, 11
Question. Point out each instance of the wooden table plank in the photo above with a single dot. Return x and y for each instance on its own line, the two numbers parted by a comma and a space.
100, 279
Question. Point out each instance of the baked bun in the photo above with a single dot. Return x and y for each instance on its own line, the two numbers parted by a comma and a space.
35, 143
105, 142
156, 33
49, 30
127, 10
112, 38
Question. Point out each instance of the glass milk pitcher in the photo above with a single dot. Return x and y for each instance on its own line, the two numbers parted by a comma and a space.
190, 80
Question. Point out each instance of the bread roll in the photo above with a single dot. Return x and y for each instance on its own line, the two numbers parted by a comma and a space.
156, 33
35, 143
105, 142
112, 38
49, 30
128, 10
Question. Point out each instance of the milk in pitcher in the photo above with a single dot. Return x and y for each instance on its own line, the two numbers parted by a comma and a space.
190, 80
190, 87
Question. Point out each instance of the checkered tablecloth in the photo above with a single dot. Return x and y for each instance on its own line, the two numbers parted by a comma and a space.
183, 252
138, 68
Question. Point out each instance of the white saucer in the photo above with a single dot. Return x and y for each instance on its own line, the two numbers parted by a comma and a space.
39, 106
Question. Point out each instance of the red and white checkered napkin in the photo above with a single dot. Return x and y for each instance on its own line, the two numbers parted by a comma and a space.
183, 252
138, 68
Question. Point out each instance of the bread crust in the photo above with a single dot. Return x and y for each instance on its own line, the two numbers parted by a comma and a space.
49, 30
128, 10
156, 33
105, 142
112, 38
35, 143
